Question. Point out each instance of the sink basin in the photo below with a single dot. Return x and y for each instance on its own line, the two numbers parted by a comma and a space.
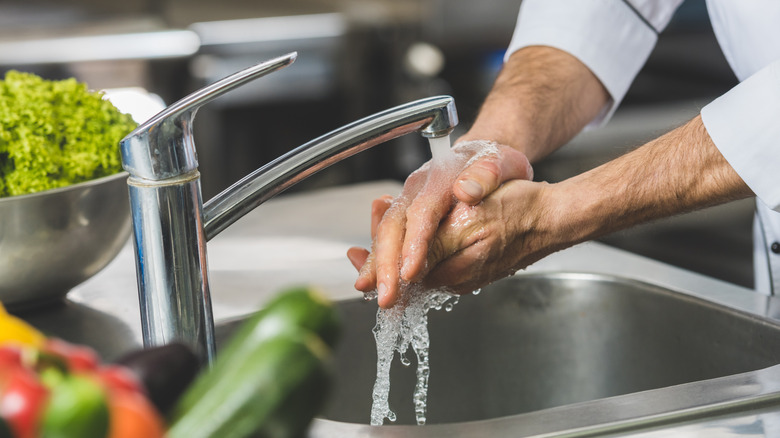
539, 341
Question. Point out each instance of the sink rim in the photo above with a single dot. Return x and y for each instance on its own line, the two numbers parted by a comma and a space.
674, 404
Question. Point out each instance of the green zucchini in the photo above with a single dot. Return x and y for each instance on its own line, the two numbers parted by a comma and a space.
295, 309
285, 377
271, 378
300, 307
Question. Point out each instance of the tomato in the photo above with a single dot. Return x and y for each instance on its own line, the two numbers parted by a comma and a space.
10, 357
10, 361
22, 401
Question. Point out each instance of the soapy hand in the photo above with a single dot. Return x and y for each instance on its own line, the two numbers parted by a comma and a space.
507, 231
404, 228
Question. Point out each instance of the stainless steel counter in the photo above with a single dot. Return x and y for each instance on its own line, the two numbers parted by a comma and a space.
302, 238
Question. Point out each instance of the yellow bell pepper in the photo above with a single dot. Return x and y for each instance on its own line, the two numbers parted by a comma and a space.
16, 331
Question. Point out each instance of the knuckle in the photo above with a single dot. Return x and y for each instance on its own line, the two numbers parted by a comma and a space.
490, 168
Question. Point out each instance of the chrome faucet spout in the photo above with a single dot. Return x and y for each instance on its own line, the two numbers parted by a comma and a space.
171, 224
433, 117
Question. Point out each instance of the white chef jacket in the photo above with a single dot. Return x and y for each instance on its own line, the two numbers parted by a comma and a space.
614, 39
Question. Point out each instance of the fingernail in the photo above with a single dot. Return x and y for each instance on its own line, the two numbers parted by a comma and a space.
381, 289
471, 188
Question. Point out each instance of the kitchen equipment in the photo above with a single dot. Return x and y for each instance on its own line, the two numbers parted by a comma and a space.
53, 240
172, 223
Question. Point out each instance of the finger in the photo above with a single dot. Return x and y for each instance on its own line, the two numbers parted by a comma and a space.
366, 280
357, 256
460, 272
422, 220
387, 253
459, 250
378, 208
361, 259
487, 174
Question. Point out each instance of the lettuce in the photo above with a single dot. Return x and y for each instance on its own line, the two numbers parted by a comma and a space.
55, 133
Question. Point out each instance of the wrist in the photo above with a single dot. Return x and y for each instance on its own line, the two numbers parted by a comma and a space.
544, 219
577, 213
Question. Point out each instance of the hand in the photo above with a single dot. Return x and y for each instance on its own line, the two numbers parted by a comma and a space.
403, 229
509, 230
522, 221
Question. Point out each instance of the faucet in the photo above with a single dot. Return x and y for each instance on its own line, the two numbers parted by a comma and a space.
171, 224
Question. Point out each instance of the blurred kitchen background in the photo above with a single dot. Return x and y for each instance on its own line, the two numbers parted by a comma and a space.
357, 57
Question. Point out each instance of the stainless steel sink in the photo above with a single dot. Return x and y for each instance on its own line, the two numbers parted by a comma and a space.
539, 341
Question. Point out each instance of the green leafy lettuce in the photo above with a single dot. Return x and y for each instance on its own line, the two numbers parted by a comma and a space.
55, 133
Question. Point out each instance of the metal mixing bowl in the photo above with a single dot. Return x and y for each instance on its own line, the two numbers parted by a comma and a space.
52, 241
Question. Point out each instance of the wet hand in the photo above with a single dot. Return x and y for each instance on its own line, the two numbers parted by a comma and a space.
476, 245
486, 174
403, 229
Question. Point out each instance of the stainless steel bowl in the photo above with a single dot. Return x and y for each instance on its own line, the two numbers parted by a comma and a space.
52, 241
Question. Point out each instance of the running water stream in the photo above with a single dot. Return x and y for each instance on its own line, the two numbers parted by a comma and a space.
406, 325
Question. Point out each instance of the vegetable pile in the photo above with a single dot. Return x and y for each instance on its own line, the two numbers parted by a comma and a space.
55, 133
269, 381
52, 388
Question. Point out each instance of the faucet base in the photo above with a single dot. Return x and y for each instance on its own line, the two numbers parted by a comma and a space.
167, 229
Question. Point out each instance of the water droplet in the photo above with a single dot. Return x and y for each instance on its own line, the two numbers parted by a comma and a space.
370, 295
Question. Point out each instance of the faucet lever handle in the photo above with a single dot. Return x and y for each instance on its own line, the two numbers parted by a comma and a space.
197, 99
162, 147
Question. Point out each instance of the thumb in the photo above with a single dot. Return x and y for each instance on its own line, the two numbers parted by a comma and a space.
485, 175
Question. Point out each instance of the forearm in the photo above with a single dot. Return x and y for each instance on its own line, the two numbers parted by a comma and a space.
679, 172
540, 100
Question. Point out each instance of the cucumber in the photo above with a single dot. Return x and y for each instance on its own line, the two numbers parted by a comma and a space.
295, 309
300, 307
272, 377
274, 392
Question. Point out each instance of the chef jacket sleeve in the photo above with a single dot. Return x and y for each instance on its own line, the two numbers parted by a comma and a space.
744, 124
613, 38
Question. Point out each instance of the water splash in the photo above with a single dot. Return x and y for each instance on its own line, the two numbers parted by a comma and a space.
406, 323
397, 329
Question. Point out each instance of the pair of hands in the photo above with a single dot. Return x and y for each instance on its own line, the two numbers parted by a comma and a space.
456, 224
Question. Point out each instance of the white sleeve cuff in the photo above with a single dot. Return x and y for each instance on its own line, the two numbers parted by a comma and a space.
744, 125
605, 35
